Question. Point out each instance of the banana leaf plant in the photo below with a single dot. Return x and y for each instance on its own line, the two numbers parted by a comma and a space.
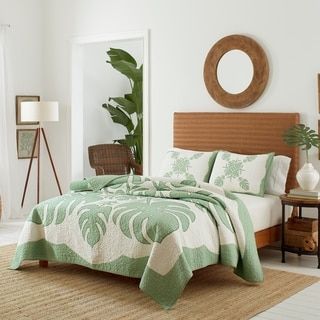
302, 136
128, 110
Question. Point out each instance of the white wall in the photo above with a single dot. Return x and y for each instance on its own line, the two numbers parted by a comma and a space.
25, 62
101, 81
181, 34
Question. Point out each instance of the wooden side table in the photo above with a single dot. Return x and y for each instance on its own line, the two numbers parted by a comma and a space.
299, 203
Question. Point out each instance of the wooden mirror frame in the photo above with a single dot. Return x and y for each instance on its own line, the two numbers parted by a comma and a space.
260, 71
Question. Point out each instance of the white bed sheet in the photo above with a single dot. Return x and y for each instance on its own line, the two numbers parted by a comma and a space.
265, 212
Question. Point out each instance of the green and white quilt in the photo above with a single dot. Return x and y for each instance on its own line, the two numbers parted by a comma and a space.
159, 230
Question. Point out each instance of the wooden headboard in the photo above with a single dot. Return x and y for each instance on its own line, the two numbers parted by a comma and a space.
247, 133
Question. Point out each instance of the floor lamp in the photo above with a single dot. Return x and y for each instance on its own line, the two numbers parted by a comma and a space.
39, 111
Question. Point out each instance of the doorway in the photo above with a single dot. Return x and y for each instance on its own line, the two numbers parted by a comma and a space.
93, 82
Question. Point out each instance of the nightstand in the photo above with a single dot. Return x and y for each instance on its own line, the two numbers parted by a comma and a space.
298, 203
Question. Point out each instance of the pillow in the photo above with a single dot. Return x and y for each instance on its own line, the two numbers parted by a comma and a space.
187, 164
241, 173
276, 182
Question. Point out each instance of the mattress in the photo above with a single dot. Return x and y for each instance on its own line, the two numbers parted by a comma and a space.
265, 212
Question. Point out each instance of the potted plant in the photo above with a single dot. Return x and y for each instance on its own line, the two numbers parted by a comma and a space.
306, 138
128, 110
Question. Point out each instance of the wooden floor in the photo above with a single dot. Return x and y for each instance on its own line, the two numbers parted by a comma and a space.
303, 305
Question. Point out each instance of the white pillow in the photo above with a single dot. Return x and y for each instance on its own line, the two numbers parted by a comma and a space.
276, 182
241, 173
187, 164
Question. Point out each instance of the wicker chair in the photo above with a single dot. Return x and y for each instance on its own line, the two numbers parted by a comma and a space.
112, 159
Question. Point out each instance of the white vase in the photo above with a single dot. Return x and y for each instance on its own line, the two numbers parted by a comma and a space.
307, 177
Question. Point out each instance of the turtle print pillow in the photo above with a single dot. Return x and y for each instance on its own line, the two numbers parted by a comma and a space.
187, 164
241, 173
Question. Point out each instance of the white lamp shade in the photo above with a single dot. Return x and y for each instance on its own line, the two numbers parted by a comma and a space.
39, 111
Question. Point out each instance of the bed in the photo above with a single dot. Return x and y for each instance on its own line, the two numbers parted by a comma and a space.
246, 133
162, 230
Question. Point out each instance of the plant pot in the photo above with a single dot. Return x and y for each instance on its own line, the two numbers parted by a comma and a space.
307, 177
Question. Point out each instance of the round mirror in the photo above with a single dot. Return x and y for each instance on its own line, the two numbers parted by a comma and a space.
235, 71
243, 74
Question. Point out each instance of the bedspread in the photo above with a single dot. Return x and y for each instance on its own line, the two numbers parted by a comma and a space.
159, 230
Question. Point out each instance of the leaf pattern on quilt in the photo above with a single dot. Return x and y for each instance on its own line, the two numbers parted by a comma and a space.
47, 212
152, 219
161, 185
92, 222
57, 209
183, 183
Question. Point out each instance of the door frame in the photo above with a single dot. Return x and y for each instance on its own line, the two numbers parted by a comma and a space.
76, 111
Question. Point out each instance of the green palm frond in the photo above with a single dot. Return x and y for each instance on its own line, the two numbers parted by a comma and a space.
128, 110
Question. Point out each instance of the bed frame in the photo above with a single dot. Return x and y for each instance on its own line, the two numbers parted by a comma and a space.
247, 133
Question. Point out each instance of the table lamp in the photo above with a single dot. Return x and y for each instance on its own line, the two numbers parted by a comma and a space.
39, 111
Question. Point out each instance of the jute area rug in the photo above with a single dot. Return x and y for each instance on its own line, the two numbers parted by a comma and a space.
72, 292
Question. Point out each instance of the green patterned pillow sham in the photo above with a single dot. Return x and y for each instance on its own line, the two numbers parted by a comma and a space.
241, 173
187, 164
